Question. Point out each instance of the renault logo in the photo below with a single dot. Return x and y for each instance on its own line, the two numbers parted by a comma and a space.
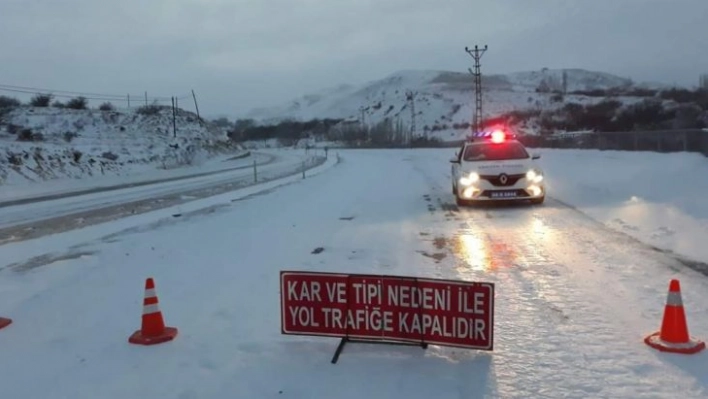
503, 178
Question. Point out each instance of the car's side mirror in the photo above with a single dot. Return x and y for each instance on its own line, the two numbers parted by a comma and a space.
454, 160
536, 156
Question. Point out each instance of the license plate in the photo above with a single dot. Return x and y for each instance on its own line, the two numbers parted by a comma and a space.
503, 194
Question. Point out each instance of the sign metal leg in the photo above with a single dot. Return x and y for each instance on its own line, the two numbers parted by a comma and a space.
339, 350
344, 341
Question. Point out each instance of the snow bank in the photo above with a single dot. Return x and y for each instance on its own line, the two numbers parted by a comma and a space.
12, 192
656, 198
41, 144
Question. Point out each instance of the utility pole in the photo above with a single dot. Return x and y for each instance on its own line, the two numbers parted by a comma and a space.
362, 123
410, 97
477, 53
174, 119
196, 106
362, 120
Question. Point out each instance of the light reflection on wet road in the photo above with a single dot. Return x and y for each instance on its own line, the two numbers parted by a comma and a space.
560, 278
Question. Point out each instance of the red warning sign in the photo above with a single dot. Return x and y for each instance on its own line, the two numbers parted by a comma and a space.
388, 308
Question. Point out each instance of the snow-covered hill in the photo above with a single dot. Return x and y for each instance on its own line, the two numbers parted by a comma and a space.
38, 144
445, 100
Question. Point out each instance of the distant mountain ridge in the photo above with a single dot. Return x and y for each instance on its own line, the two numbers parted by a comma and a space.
444, 99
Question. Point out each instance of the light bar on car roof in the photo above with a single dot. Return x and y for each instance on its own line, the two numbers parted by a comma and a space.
496, 135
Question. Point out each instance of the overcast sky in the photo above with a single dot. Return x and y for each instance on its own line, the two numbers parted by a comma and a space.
241, 54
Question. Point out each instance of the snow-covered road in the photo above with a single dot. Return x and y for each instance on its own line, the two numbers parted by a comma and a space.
31, 219
63, 188
574, 299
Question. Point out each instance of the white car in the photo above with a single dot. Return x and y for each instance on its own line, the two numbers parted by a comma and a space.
495, 166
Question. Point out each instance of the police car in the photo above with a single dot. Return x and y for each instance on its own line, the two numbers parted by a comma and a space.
494, 166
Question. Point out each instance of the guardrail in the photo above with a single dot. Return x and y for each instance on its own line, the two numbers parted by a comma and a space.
274, 173
65, 221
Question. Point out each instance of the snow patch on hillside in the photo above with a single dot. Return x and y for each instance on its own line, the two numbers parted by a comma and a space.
40, 144
444, 100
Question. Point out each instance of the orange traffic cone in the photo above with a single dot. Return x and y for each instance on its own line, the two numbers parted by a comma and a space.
4, 322
153, 330
674, 336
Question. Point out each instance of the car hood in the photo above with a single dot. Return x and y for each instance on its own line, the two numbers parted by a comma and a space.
511, 167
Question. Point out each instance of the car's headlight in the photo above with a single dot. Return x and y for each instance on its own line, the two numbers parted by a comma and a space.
534, 176
470, 179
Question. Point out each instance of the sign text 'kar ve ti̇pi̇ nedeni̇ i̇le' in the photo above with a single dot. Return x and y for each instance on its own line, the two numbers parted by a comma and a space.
388, 309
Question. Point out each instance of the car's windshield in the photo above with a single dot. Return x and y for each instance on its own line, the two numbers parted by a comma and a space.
495, 152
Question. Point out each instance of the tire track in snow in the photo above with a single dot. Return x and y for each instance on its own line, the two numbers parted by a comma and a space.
570, 306
441, 183
674, 260
489, 245
534, 315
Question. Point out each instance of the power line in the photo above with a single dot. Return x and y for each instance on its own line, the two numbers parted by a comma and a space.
87, 95
34, 89
124, 99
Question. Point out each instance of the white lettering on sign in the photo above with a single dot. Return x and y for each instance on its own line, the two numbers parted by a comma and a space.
443, 326
479, 327
337, 292
478, 302
368, 293
292, 285
414, 297
388, 308
307, 291
474, 306
303, 316
373, 319
333, 318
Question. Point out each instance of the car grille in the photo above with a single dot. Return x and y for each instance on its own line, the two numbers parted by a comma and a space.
496, 179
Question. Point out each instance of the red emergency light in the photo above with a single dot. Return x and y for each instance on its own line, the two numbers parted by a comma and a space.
498, 136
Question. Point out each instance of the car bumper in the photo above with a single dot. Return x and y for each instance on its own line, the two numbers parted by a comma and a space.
514, 193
